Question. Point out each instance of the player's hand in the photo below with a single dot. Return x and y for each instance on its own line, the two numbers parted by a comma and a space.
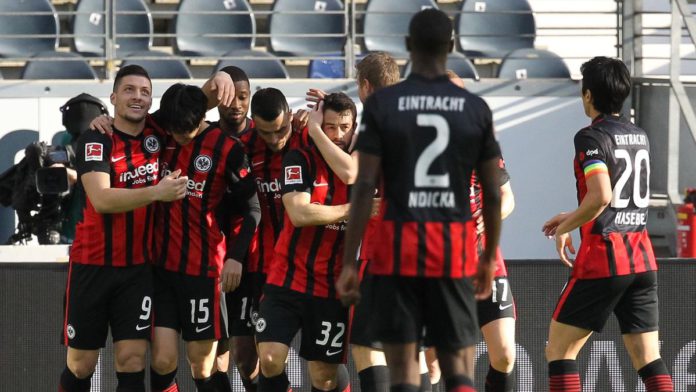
565, 241
314, 96
102, 124
483, 280
223, 84
376, 205
172, 187
231, 275
315, 119
552, 224
300, 119
348, 285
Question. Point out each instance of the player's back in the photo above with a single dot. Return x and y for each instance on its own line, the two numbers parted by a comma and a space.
430, 135
616, 242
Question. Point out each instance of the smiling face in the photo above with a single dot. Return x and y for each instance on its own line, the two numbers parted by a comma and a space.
132, 99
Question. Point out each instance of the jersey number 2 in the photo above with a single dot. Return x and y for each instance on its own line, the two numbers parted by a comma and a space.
434, 149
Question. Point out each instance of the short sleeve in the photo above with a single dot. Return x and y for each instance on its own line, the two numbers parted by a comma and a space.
503, 176
589, 153
489, 145
295, 175
369, 134
93, 153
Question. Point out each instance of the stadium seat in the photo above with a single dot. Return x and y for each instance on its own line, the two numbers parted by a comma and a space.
386, 24
72, 67
214, 32
256, 64
11, 25
532, 63
458, 63
164, 68
493, 28
326, 69
89, 27
301, 34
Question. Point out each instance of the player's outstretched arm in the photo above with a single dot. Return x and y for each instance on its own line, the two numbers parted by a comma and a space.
488, 175
303, 213
108, 200
348, 286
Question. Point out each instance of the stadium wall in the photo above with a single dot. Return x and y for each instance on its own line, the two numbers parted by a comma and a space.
32, 358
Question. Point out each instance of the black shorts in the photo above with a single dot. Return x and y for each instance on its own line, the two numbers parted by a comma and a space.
500, 305
323, 322
434, 312
243, 304
361, 314
587, 303
101, 297
192, 305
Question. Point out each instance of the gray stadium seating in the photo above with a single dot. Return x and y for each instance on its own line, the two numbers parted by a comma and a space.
532, 63
285, 27
90, 21
386, 24
18, 24
493, 28
210, 34
164, 68
256, 64
73, 67
458, 63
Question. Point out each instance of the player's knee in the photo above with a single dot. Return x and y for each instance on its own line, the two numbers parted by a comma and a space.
554, 353
272, 363
130, 362
504, 359
324, 378
247, 363
164, 363
81, 369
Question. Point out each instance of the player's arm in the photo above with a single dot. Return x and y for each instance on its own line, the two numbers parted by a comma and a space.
491, 211
596, 199
302, 212
343, 164
507, 200
219, 90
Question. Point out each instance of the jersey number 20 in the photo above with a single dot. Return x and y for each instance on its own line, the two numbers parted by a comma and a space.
642, 158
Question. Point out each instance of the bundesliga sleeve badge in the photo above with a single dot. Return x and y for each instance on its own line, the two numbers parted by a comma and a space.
293, 175
94, 152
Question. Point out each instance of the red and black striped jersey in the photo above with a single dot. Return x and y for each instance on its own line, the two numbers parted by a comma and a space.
430, 135
616, 242
308, 259
267, 170
188, 237
125, 238
477, 211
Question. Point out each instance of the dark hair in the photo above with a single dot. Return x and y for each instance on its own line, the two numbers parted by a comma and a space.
268, 103
182, 108
430, 32
609, 81
340, 102
378, 68
237, 74
128, 70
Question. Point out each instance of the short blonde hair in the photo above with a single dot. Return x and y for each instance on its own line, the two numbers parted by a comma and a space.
378, 68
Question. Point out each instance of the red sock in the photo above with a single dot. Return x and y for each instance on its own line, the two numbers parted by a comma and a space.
656, 377
564, 376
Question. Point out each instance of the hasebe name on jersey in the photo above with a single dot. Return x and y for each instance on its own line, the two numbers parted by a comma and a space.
631, 139
431, 199
428, 102
630, 218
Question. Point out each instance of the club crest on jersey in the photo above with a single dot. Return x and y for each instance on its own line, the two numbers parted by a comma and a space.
293, 175
94, 152
203, 163
260, 325
152, 144
70, 331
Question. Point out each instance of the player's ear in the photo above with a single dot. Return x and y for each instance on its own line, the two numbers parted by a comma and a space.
112, 97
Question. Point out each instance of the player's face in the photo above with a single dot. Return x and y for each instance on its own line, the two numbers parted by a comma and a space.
132, 99
186, 137
275, 133
339, 127
235, 114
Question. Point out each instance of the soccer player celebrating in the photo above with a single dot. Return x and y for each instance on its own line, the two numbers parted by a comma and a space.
109, 281
300, 293
425, 135
615, 269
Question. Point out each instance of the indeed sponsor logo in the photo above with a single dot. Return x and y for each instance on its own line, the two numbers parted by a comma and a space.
141, 174
268, 186
193, 188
